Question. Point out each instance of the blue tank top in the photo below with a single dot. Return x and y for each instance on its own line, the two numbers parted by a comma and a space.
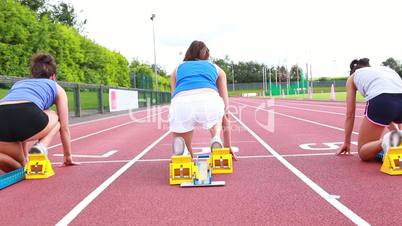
39, 91
195, 75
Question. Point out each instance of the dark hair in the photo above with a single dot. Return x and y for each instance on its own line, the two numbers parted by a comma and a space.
197, 51
357, 64
43, 65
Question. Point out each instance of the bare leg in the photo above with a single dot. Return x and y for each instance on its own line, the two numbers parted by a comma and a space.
227, 140
11, 156
188, 136
369, 141
216, 129
47, 134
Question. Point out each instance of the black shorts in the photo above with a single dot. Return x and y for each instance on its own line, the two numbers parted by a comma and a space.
384, 109
18, 122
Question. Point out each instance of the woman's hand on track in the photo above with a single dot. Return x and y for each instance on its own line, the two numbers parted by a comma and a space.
344, 150
68, 161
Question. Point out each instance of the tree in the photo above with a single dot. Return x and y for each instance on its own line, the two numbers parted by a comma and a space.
65, 14
38, 6
394, 64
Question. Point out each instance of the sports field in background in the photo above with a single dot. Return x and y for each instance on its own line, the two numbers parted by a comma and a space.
89, 99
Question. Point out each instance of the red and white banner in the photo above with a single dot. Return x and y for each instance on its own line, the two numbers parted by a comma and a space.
120, 100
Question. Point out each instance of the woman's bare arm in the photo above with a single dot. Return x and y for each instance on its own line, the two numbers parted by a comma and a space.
62, 111
350, 114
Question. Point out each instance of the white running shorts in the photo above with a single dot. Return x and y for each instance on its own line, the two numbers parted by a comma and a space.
200, 109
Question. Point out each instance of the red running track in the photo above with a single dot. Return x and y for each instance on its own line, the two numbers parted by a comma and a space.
286, 176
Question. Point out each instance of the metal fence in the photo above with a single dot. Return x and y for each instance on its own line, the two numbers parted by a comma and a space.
92, 98
259, 86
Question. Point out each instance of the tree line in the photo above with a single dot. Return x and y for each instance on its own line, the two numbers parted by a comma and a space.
251, 71
25, 31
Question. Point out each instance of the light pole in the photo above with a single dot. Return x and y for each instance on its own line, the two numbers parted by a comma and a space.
155, 67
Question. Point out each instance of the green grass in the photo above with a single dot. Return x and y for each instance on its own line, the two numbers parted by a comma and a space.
3, 92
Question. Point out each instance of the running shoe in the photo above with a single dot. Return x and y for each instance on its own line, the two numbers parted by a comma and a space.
216, 142
38, 148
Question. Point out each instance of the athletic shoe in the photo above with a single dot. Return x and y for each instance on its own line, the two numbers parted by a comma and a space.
216, 142
391, 139
380, 156
38, 148
179, 146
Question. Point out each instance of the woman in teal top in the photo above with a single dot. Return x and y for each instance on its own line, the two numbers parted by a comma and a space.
200, 98
25, 115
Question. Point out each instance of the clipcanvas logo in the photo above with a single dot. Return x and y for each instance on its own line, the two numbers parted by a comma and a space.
266, 110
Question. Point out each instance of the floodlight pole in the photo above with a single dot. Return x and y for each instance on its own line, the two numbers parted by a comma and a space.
155, 67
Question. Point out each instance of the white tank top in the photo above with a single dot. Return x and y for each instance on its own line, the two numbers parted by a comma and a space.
373, 81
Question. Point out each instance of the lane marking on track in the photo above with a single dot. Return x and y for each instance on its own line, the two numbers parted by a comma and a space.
240, 157
320, 105
233, 142
67, 219
320, 191
297, 118
108, 129
113, 116
105, 118
106, 155
328, 146
320, 111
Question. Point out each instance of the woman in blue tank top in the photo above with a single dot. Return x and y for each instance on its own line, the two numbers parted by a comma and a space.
200, 98
25, 115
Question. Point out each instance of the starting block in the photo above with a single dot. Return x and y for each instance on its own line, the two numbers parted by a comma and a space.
222, 162
38, 167
202, 176
181, 169
12, 177
392, 162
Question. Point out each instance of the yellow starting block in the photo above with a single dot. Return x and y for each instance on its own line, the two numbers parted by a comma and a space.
222, 161
182, 169
38, 167
392, 162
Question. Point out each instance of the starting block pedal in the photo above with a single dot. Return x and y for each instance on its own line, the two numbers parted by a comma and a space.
222, 162
202, 176
12, 177
38, 167
181, 169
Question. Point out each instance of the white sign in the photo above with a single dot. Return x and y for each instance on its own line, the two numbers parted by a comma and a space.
249, 94
120, 100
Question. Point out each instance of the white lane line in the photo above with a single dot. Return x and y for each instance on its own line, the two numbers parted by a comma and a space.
297, 118
94, 194
240, 157
106, 155
105, 118
310, 104
325, 106
320, 191
305, 109
95, 162
108, 129
233, 142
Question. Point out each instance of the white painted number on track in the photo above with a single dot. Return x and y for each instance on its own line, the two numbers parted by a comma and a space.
326, 146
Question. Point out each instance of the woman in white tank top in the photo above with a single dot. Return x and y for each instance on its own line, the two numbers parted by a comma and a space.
382, 89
